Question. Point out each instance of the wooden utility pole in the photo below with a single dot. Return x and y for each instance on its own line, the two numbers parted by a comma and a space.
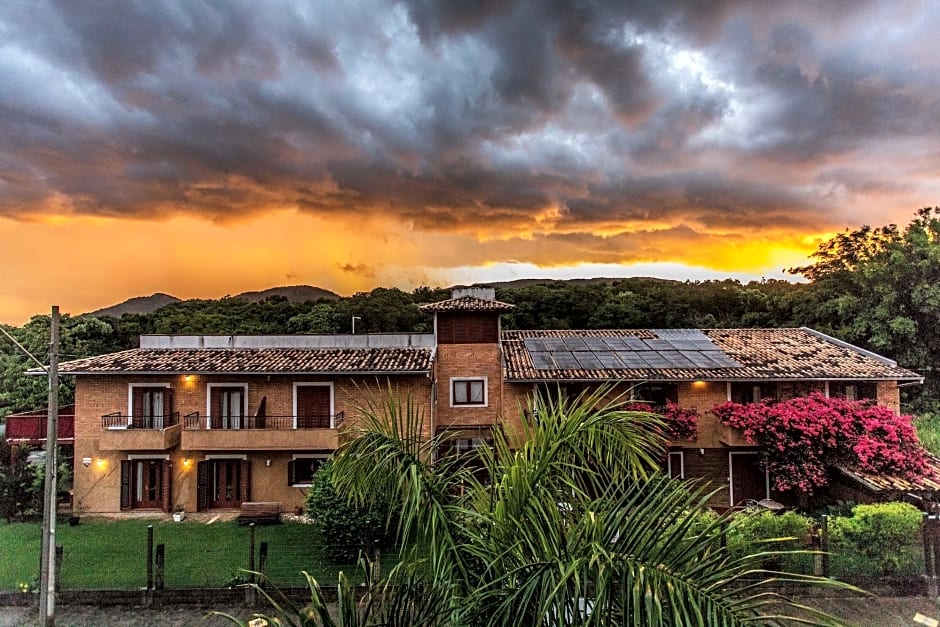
50, 497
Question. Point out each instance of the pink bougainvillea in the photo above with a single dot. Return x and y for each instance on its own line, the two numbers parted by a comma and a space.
802, 436
681, 422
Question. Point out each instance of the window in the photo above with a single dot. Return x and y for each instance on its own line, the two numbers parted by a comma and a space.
656, 393
301, 469
744, 392
468, 392
854, 390
149, 406
227, 406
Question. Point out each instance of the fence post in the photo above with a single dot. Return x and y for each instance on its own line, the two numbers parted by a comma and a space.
930, 554
249, 590
824, 544
161, 560
59, 551
263, 560
149, 557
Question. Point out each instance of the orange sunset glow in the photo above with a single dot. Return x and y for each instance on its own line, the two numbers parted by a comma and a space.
203, 152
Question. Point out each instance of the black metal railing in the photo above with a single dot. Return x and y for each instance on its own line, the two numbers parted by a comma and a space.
195, 421
117, 420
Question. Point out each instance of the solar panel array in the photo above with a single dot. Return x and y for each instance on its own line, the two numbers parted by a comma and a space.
672, 348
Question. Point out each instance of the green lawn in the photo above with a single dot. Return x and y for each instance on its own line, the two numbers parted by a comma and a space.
112, 554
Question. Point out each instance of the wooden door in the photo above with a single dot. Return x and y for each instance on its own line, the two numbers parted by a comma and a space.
147, 484
225, 483
748, 479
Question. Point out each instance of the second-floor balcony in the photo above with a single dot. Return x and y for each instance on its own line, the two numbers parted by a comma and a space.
134, 432
261, 432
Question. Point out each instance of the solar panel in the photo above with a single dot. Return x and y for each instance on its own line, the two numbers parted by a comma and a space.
566, 361
635, 343
588, 360
675, 359
672, 348
657, 345
609, 360
615, 343
542, 360
535, 344
575, 344
554, 343
596, 344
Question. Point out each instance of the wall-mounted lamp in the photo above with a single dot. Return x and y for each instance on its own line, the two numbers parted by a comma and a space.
188, 379
267, 462
698, 384
86, 462
101, 463
187, 463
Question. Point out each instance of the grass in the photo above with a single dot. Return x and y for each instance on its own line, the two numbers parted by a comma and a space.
112, 554
928, 430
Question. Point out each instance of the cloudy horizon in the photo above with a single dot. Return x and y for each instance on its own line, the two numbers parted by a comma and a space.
206, 148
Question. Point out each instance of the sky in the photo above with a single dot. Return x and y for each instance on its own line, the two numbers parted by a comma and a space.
209, 148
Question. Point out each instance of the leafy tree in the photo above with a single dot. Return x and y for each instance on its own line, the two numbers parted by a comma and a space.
880, 288
350, 530
20, 484
570, 519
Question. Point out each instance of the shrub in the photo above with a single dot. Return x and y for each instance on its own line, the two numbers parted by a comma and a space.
883, 534
754, 532
802, 436
681, 422
347, 529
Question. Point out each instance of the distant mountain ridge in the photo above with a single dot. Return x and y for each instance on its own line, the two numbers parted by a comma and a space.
149, 304
137, 305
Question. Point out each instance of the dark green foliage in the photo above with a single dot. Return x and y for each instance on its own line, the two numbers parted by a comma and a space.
878, 539
880, 288
761, 531
350, 529
928, 431
20, 484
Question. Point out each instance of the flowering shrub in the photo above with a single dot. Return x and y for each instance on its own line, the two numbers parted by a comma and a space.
802, 436
681, 422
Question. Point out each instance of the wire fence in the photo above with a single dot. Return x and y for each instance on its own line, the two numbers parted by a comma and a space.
140, 554
133, 555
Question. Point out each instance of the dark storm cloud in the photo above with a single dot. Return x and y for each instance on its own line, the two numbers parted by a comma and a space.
467, 115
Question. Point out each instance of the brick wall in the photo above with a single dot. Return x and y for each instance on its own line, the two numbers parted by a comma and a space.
97, 487
474, 361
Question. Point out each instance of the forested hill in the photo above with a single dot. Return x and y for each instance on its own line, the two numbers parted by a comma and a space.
878, 288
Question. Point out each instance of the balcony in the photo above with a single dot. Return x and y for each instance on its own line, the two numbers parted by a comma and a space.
29, 428
272, 433
123, 432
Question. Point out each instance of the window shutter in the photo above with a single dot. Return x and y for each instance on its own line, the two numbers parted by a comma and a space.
202, 486
216, 407
125, 484
168, 401
138, 404
292, 472
165, 484
243, 484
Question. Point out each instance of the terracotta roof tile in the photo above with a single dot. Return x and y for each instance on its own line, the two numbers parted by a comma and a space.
257, 360
467, 303
771, 354
889, 483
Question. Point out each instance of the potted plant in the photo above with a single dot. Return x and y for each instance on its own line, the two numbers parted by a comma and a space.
179, 513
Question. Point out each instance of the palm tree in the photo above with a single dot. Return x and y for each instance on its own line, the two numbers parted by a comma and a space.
569, 523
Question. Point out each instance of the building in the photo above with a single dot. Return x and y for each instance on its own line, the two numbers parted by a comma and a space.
209, 422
